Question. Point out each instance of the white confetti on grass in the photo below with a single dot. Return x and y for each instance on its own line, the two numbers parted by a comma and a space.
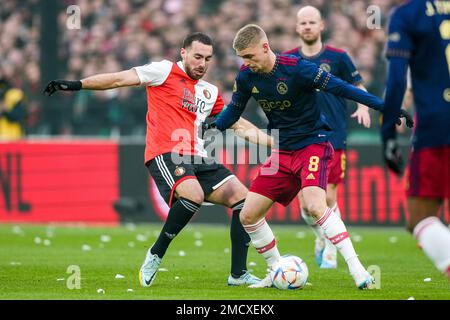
141, 238
86, 247
181, 253
105, 238
177, 277
427, 280
37, 240
198, 243
60, 279
18, 230
15, 263
47, 242
226, 250
119, 276
131, 244
198, 235
130, 290
252, 264
356, 238
411, 298
101, 291
300, 235
393, 239
163, 269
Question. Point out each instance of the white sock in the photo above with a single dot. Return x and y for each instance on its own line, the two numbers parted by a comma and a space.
329, 252
434, 238
311, 221
336, 209
264, 241
336, 232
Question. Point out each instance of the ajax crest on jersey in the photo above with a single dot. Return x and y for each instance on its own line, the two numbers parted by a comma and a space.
289, 272
282, 88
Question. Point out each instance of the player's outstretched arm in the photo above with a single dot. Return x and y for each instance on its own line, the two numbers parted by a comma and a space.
248, 131
103, 81
327, 82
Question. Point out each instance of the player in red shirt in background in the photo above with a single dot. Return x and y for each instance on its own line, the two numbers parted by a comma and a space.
419, 37
179, 101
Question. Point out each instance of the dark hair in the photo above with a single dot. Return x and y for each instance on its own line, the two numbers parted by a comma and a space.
197, 36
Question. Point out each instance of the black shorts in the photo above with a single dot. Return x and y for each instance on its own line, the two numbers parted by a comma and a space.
168, 175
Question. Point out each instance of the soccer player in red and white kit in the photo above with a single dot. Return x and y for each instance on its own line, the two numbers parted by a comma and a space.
178, 103
309, 27
419, 37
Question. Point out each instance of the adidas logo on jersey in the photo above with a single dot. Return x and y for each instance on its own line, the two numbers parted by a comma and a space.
255, 90
310, 177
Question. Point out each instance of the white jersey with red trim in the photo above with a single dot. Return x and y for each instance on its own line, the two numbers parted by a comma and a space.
177, 106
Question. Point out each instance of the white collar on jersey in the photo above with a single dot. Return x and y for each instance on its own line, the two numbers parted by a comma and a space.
180, 65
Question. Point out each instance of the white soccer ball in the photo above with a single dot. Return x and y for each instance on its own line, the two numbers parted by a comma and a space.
289, 272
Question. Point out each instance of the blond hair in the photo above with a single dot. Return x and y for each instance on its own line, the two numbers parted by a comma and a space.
247, 36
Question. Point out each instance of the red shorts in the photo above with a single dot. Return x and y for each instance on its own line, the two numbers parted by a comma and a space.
428, 173
285, 173
337, 167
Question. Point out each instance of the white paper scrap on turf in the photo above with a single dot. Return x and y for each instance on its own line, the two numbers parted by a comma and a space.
105, 238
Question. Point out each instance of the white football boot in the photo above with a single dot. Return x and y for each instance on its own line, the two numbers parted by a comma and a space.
319, 247
147, 273
246, 279
329, 256
364, 280
264, 283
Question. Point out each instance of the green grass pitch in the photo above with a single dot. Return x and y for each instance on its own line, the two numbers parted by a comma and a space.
33, 269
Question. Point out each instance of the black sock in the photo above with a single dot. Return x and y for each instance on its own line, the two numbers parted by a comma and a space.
179, 215
240, 241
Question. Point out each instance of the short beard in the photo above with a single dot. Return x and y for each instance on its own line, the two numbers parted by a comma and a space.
310, 42
191, 74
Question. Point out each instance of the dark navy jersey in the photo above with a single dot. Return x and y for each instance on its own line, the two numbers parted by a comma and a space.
419, 35
338, 63
288, 97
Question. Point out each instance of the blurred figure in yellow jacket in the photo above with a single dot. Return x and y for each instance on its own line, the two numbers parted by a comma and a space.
12, 111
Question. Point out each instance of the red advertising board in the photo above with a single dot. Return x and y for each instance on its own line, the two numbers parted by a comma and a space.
62, 181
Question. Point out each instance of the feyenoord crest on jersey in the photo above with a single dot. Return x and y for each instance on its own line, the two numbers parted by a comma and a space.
179, 171
207, 94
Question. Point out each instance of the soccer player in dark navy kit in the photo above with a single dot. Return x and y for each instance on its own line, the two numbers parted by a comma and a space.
337, 62
419, 37
285, 88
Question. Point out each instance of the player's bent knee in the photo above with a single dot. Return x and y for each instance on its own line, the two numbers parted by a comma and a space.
197, 197
247, 218
314, 209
